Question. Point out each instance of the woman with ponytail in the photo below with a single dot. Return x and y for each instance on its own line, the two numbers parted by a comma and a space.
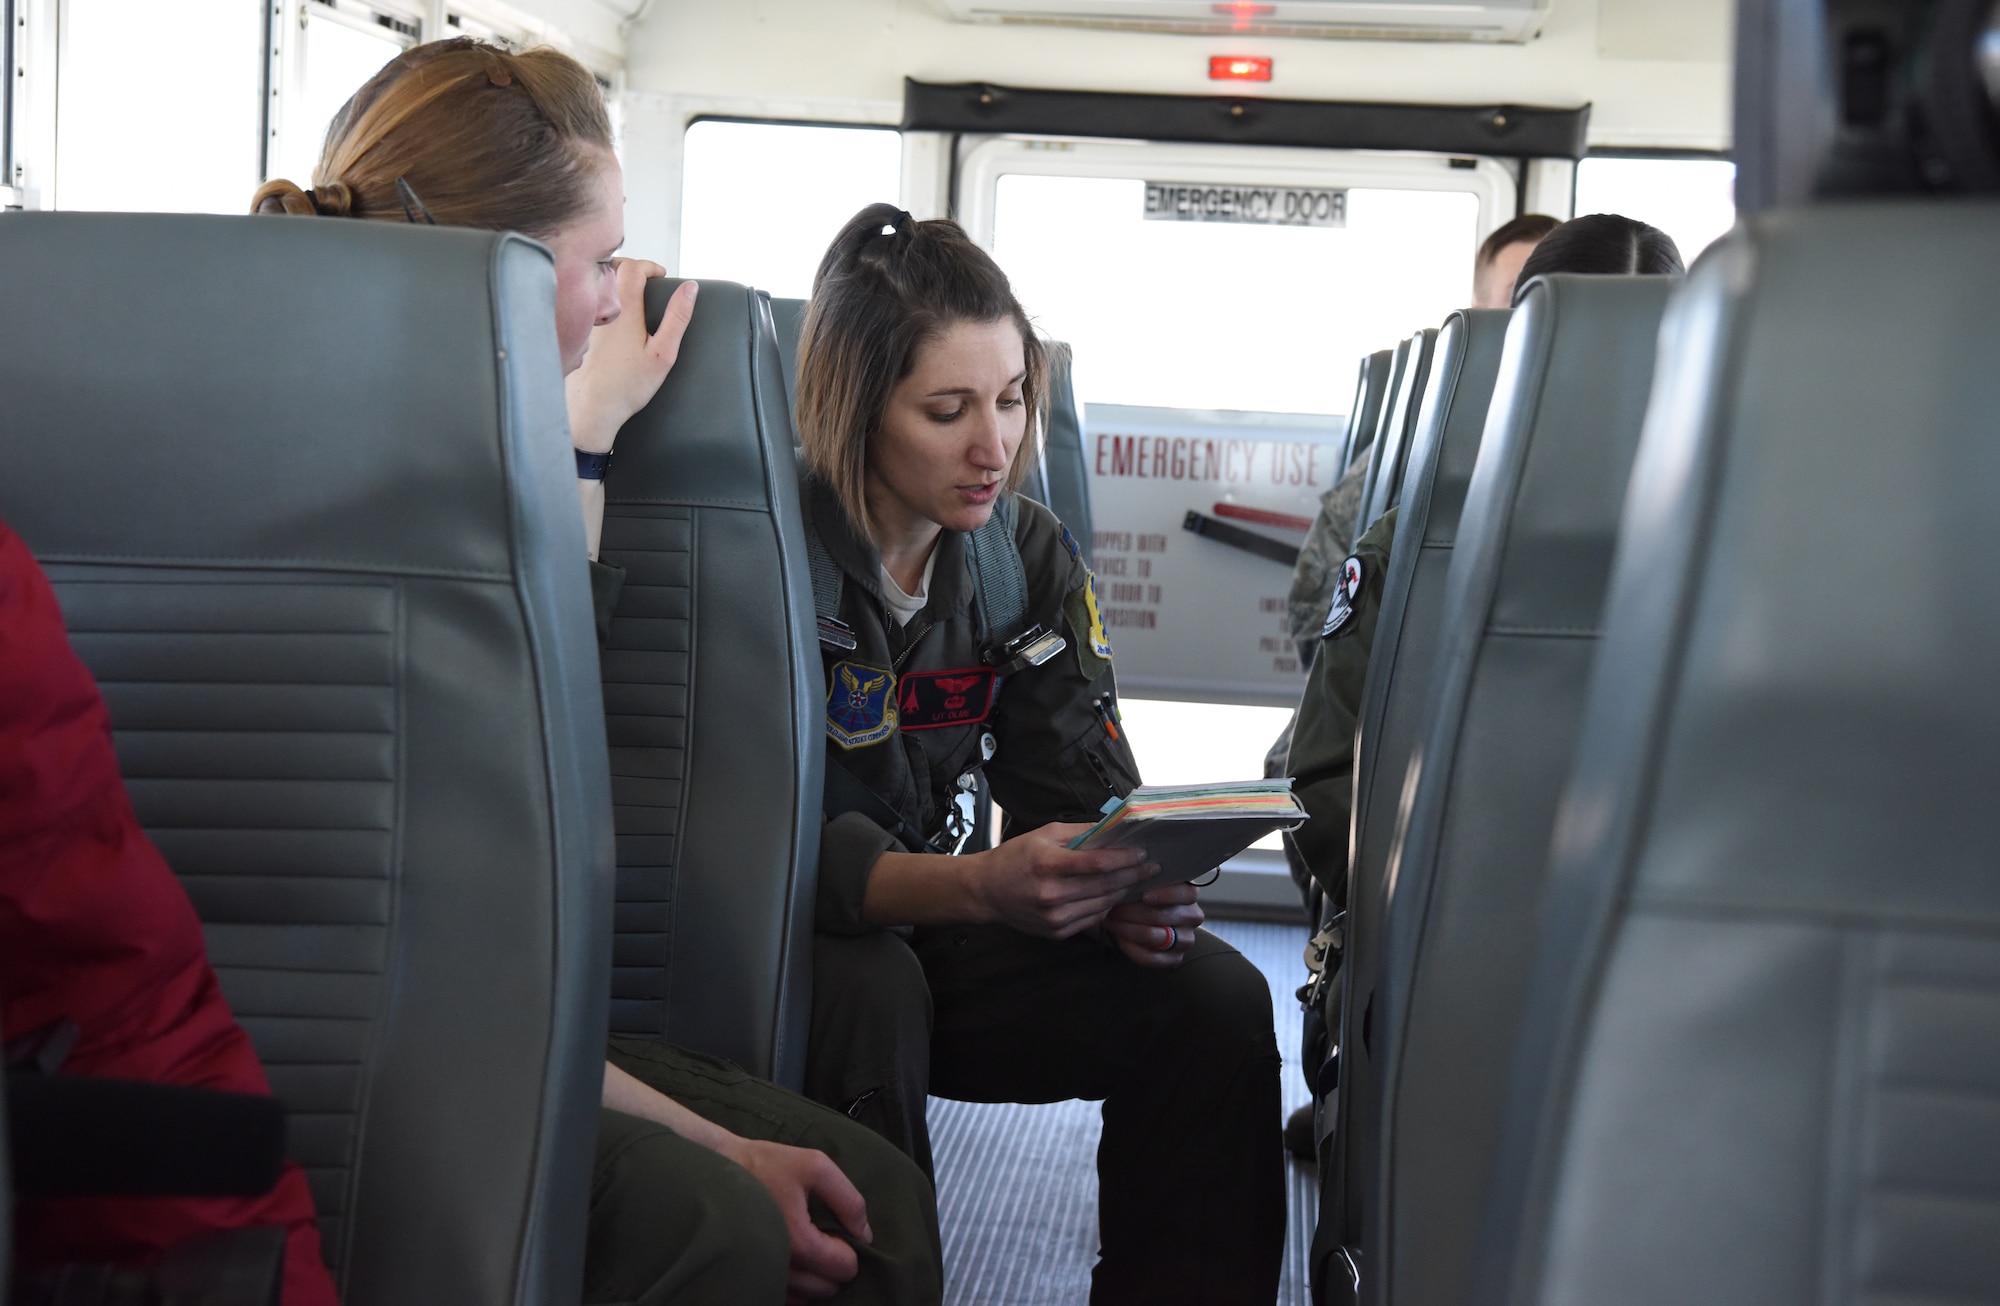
1021, 973
710, 1186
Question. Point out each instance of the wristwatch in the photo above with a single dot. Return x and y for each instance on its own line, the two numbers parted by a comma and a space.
592, 466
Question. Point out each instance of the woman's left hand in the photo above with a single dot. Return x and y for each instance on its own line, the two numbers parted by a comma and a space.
1157, 928
624, 366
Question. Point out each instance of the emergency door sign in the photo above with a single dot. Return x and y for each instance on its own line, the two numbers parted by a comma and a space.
1200, 613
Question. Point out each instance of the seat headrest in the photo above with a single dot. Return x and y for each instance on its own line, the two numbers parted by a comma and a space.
217, 388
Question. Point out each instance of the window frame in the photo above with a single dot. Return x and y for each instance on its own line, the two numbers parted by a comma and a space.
287, 24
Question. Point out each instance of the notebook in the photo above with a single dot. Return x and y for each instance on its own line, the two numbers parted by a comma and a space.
1192, 829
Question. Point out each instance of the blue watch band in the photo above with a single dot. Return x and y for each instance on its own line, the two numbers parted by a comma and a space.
592, 466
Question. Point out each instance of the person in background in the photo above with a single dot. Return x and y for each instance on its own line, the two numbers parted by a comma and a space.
711, 1186
1497, 266
1321, 756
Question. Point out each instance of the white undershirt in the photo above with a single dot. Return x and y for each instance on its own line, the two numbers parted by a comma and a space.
904, 606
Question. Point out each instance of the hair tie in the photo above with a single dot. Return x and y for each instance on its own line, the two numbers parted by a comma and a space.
312, 199
898, 225
412, 206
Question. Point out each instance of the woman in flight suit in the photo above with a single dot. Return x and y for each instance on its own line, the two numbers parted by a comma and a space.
1016, 974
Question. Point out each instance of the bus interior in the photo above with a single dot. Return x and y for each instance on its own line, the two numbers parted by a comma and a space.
1669, 965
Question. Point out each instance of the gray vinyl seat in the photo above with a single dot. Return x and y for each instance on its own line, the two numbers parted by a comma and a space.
788, 320
1364, 412
1059, 479
1522, 603
1762, 1058
305, 491
1390, 453
1394, 711
713, 697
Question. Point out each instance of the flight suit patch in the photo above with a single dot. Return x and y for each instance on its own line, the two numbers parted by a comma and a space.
1346, 593
1069, 542
1086, 622
860, 704
930, 700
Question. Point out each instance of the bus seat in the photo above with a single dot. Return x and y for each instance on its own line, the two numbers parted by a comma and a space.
788, 319
1390, 455
1066, 465
1394, 706
1364, 412
713, 694
1522, 602
1760, 1062
1399, 361
302, 488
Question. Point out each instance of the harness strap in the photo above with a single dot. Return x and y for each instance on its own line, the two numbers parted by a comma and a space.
996, 564
1003, 579
826, 578
846, 793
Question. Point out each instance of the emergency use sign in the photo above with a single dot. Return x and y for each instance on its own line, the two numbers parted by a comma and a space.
1265, 206
1204, 615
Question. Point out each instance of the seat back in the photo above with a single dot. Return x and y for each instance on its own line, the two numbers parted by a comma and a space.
1394, 710
1761, 1050
1399, 419
305, 492
788, 320
1522, 602
1364, 411
712, 696
1065, 466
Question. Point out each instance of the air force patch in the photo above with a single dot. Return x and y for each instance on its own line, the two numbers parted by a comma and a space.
860, 705
1346, 593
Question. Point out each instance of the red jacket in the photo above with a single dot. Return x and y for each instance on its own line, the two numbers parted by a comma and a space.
95, 929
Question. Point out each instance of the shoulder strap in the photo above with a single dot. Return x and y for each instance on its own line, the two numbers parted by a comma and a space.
826, 577
996, 561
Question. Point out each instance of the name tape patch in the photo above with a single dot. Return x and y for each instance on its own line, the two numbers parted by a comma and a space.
931, 700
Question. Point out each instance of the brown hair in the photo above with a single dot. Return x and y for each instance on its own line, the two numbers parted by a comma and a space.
1526, 229
477, 136
887, 286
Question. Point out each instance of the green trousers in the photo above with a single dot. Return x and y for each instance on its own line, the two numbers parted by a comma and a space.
672, 1222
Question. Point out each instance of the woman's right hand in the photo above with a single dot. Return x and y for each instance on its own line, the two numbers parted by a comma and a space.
1037, 885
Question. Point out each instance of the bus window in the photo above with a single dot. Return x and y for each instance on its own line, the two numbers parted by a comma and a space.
1211, 315
159, 105
760, 201
337, 47
1692, 200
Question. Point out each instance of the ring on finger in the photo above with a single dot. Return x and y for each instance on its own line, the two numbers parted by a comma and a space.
1173, 939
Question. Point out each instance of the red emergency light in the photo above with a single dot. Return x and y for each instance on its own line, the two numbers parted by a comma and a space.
1238, 68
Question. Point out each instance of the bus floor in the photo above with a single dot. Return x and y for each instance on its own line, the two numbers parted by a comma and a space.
1017, 1185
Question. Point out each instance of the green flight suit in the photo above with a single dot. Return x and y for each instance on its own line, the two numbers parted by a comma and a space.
675, 1224
1191, 1204
1321, 761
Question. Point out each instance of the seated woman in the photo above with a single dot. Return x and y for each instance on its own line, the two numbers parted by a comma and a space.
1024, 975
103, 972
711, 1186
